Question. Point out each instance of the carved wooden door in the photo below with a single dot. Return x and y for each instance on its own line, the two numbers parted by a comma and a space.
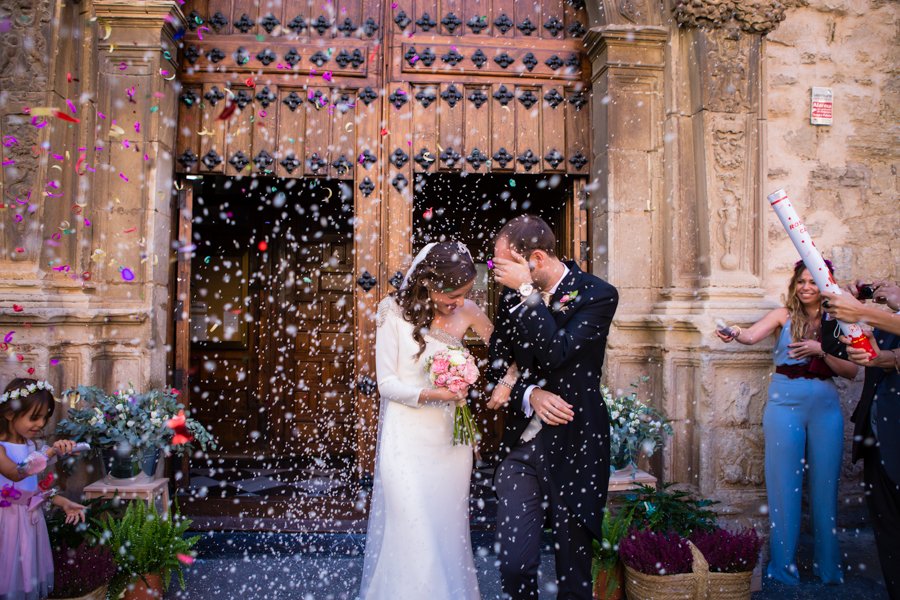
372, 93
309, 329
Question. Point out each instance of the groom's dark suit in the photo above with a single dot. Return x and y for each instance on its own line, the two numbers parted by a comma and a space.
558, 348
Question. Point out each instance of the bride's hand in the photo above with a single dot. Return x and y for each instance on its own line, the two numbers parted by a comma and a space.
499, 397
445, 395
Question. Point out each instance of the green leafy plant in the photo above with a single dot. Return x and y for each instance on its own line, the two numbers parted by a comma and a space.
635, 427
665, 510
143, 542
128, 420
606, 551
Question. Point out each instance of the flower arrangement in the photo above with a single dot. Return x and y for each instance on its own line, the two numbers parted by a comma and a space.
727, 551
653, 553
128, 419
455, 369
635, 428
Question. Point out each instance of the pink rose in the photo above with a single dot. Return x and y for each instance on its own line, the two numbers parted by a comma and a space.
440, 365
564, 299
471, 373
441, 380
457, 385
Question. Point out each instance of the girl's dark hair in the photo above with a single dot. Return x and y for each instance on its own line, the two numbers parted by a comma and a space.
445, 268
24, 404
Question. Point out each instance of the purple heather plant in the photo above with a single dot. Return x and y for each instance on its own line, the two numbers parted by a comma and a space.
78, 571
728, 552
654, 553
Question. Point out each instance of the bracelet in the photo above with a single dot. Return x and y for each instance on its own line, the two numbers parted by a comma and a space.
505, 384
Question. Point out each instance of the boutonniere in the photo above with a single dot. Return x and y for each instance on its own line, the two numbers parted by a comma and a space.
566, 300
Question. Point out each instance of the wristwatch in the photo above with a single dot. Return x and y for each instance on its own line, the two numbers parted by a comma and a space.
525, 290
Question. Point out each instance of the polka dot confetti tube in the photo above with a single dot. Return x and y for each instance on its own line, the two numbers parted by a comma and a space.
814, 262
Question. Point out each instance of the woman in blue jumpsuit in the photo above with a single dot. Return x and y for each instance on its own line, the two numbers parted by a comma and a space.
803, 426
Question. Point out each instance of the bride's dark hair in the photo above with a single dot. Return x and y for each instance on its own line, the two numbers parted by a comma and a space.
445, 268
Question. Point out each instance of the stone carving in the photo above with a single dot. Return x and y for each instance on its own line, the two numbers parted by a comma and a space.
751, 16
728, 140
726, 78
24, 54
740, 457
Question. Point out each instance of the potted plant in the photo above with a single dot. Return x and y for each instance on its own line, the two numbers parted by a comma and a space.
82, 568
731, 556
129, 428
606, 569
667, 509
147, 548
635, 428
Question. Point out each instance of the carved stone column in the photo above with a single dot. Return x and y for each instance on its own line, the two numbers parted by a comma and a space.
133, 194
679, 146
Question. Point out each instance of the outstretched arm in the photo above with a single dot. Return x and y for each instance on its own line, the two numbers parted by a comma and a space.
590, 325
759, 330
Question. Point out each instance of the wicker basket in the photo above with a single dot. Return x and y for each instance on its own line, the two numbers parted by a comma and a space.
729, 586
684, 586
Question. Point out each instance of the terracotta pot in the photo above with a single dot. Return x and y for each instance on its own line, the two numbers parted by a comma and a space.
151, 590
610, 583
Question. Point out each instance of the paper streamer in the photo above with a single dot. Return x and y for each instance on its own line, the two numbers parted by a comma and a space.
814, 262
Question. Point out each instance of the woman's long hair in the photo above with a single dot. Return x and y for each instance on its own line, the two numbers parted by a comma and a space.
445, 268
803, 326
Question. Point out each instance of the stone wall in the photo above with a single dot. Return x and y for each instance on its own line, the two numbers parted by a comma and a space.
843, 177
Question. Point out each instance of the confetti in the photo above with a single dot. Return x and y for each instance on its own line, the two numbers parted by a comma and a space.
127, 274
9, 141
54, 361
512, 183
250, 83
8, 338
17, 308
327, 76
182, 435
263, 246
428, 214
185, 558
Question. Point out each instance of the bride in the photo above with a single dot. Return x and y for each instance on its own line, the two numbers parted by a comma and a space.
418, 543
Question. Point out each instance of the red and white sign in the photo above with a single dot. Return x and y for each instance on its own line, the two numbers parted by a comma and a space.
821, 107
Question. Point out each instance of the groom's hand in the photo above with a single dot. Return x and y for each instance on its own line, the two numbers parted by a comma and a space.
512, 273
550, 408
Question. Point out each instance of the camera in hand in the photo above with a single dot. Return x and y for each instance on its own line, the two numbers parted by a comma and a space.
865, 291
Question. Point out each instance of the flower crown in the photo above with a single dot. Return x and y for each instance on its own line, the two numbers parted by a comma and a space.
26, 391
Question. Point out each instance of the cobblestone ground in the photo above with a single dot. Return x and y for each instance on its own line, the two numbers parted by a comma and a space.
327, 567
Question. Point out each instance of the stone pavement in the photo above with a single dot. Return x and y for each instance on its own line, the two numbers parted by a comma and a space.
256, 566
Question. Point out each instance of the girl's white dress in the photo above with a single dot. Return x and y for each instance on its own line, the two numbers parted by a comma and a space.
418, 544
26, 563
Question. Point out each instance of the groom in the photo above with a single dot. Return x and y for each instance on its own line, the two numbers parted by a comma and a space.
552, 323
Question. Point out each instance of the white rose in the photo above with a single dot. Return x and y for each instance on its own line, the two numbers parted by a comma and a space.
120, 407
153, 414
615, 414
457, 359
130, 423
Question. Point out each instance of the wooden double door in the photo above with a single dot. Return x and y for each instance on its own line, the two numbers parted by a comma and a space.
367, 97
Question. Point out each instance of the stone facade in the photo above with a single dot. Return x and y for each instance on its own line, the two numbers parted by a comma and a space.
707, 102
700, 108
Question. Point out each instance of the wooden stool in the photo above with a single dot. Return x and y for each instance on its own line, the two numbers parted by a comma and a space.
149, 489
625, 480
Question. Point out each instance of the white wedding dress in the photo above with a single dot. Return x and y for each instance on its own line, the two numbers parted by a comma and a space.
418, 543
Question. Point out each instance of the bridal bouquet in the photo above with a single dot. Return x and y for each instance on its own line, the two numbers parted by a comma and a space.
454, 369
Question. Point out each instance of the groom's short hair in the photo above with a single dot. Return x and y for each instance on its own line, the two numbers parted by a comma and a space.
527, 233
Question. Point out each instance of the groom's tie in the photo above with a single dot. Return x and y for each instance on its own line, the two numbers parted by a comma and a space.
546, 296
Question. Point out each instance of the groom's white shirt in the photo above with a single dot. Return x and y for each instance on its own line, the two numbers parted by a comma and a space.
534, 426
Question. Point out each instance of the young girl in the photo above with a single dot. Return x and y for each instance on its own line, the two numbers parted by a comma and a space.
26, 565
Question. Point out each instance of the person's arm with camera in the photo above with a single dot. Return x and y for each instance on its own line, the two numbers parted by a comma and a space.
852, 308
884, 293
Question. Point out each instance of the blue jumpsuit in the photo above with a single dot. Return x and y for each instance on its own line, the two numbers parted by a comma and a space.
803, 426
